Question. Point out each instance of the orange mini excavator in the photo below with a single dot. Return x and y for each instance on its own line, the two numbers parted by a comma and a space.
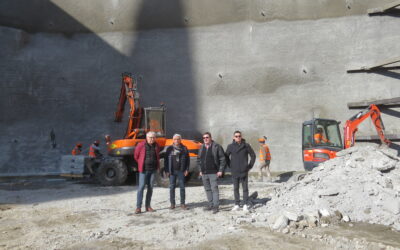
321, 137
114, 169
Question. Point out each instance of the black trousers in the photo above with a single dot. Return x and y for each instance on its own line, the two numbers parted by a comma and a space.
245, 185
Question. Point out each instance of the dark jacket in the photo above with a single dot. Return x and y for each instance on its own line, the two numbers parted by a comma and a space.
184, 159
218, 154
239, 160
140, 155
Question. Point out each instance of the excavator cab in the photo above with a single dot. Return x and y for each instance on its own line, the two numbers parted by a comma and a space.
320, 141
154, 119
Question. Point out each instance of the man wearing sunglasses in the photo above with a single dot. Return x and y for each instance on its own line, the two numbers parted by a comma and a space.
211, 163
238, 153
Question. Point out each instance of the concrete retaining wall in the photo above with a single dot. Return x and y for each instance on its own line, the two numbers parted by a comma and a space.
262, 74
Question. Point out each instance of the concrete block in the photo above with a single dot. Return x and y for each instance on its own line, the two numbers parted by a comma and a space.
72, 164
324, 212
346, 218
384, 165
280, 223
291, 215
392, 205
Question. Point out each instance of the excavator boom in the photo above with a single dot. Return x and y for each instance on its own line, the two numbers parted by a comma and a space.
352, 124
129, 92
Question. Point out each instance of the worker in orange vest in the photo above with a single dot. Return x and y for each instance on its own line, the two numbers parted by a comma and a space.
265, 158
319, 137
94, 150
77, 149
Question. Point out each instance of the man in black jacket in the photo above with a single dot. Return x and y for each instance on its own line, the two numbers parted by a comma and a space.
238, 152
176, 164
211, 164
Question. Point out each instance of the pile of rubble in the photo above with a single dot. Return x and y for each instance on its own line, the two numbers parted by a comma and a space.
361, 184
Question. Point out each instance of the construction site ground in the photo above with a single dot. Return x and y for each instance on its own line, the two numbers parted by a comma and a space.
55, 213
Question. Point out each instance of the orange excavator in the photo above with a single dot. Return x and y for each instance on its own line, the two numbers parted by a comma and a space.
114, 169
321, 137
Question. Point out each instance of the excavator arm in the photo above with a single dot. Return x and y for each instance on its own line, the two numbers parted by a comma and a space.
352, 124
129, 92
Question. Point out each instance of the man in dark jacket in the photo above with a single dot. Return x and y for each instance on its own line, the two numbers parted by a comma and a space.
238, 152
176, 165
147, 156
211, 164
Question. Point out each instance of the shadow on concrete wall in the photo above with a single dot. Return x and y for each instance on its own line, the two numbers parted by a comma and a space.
164, 68
389, 111
395, 12
166, 71
388, 73
160, 57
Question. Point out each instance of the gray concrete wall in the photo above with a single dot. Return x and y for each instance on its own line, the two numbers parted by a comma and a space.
237, 68
73, 16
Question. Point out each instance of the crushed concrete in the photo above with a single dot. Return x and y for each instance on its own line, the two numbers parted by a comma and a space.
325, 209
361, 184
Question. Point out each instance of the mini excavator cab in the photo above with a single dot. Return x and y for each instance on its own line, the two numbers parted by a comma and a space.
320, 142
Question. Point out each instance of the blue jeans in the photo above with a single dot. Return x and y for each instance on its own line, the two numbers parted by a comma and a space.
172, 184
145, 178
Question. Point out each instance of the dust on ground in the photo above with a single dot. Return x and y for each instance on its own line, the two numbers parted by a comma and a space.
59, 214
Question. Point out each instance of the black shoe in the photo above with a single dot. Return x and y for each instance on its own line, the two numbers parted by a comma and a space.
215, 210
207, 208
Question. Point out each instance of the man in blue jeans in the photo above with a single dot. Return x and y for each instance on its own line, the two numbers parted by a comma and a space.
147, 156
211, 163
176, 166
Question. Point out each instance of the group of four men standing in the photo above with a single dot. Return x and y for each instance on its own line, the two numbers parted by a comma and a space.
211, 161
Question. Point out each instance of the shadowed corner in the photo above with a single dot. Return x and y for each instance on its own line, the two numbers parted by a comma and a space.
163, 42
161, 57
53, 67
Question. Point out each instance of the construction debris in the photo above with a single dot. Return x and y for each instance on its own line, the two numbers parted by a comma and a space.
361, 184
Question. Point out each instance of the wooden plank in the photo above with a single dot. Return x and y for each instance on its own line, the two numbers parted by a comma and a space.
386, 62
384, 8
384, 102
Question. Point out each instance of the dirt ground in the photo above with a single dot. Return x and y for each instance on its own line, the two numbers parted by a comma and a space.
54, 213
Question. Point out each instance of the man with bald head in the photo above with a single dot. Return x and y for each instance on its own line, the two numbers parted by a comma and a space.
176, 166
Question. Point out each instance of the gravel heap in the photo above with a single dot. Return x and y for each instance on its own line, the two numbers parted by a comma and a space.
361, 184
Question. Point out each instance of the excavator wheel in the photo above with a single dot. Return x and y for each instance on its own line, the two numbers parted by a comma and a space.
112, 173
